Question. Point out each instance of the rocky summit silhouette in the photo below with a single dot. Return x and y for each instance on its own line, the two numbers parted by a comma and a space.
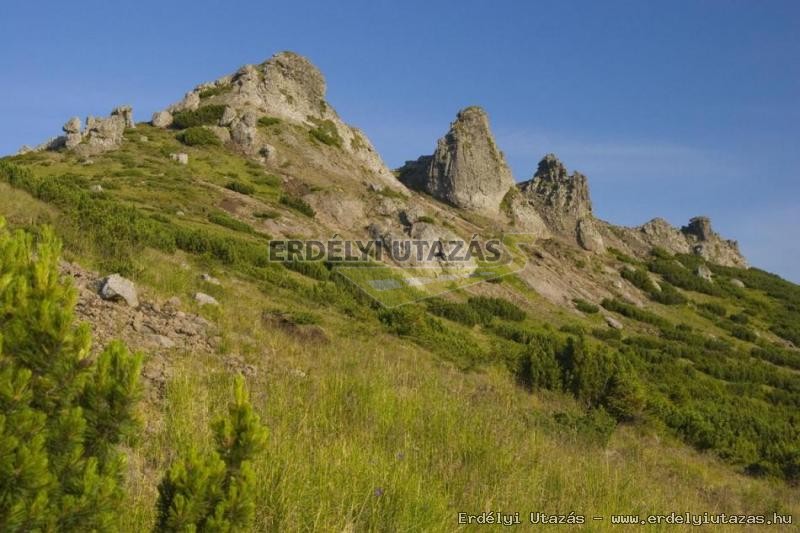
336, 170
467, 169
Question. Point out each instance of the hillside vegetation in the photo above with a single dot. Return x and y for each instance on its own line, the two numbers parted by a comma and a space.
596, 372
406, 416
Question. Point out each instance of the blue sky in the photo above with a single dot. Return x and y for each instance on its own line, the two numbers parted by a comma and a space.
672, 109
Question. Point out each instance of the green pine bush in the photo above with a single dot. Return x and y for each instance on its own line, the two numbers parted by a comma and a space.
202, 116
198, 136
227, 221
216, 492
498, 307
298, 204
241, 188
585, 307
62, 412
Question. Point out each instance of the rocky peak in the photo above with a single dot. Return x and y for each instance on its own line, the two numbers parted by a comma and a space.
287, 87
706, 243
467, 170
295, 80
561, 198
554, 189
700, 228
696, 237
551, 169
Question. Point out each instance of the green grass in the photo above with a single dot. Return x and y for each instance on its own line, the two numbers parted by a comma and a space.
268, 121
215, 91
325, 132
445, 405
267, 215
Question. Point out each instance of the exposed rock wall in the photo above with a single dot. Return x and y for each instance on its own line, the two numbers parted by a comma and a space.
467, 169
288, 87
696, 237
99, 135
562, 199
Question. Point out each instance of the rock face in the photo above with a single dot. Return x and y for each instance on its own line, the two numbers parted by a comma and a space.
467, 170
72, 129
100, 134
287, 87
706, 243
561, 198
562, 202
126, 112
588, 236
697, 237
161, 119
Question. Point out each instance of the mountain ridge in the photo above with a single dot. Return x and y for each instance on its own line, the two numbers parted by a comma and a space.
597, 333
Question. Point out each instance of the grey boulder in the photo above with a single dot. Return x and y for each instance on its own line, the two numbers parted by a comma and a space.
117, 288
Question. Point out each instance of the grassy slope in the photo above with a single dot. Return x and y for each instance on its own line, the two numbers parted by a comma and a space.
370, 431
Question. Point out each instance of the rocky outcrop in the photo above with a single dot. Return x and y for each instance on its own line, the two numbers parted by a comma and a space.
245, 134
660, 233
432, 248
162, 119
562, 199
126, 112
287, 87
706, 243
697, 237
99, 135
467, 169
117, 288
73, 136
588, 236
699, 228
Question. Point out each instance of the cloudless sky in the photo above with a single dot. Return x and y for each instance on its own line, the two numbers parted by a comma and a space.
672, 108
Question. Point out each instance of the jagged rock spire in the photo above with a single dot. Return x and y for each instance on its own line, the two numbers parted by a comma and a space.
467, 170
700, 228
562, 199
553, 189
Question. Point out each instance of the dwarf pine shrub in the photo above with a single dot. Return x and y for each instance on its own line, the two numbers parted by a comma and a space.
198, 136
62, 412
241, 187
216, 492
202, 116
